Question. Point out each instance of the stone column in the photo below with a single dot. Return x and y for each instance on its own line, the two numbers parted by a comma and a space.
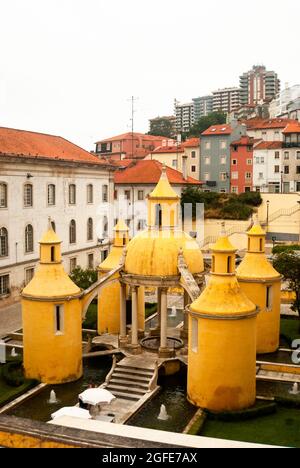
134, 320
123, 330
156, 331
184, 333
164, 351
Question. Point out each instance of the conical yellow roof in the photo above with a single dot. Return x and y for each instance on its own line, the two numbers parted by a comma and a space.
121, 226
255, 265
223, 244
50, 237
163, 189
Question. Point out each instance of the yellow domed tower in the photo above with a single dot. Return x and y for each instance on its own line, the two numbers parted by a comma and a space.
109, 296
152, 259
52, 322
262, 284
222, 339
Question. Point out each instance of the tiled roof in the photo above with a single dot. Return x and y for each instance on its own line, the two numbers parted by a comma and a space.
192, 143
25, 144
292, 128
243, 141
218, 130
128, 136
260, 124
269, 145
168, 149
149, 172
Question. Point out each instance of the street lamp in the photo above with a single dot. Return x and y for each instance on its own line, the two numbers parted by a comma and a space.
268, 206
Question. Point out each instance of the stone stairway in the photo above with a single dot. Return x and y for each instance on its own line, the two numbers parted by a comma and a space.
187, 280
130, 383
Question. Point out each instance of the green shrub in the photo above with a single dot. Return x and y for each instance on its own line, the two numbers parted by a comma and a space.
91, 318
250, 198
285, 248
236, 210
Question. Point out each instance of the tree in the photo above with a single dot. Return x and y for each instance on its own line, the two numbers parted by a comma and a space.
163, 126
288, 264
84, 278
215, 118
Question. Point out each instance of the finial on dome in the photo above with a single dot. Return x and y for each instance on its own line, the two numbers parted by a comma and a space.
223, 231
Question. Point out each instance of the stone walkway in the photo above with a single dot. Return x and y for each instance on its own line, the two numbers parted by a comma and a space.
10, 319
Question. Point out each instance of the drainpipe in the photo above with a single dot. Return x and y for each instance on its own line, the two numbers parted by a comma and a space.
184, 166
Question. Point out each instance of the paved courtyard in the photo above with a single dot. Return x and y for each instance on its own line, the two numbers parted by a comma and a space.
10, 319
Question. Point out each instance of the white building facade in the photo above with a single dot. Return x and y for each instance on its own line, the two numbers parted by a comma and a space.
75, 196
267, 167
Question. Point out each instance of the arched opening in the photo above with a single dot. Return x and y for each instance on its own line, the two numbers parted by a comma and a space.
158, 216
229, 263
213, 264
52, 254
260, 245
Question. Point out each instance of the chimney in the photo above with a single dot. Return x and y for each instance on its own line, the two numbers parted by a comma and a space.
184, 166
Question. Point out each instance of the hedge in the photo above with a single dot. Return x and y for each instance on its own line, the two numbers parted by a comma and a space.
278, 249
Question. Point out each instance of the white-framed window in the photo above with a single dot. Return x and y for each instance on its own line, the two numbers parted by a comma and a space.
223, 145
29, 274
207, 160
223, 176
28, 195
234, 189
207, 145
249, 162
90, 229
72, 194
3, 242
195, 336
29, 244
234, 162
206, 176
51, 194
262, 160
72, 232
277, 154
261, 175
223, 160
105, 193
141, 195
286, 155
276, 169
58, 319
73, 264
127, 195
4, 285
90, 194
193, 168
235, 175
193, 154
298, 155
3, 195
248, 176
90, 261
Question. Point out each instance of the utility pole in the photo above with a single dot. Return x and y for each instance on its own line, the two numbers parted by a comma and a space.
132, 100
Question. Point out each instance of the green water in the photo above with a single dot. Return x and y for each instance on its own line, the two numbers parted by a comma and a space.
38, 407
281, 428
173, 396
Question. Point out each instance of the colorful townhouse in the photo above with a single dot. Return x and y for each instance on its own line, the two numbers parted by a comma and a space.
241, 170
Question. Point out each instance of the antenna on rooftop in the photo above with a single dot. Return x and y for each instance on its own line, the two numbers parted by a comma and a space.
132, 100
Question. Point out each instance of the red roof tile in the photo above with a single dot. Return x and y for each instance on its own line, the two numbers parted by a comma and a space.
292, 128
168, 149
191, 143
218, 130
243, 141
149, 172
269, 145
128, 136
260, 124
22, 143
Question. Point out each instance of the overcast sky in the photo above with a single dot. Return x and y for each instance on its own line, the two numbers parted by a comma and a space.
68, 67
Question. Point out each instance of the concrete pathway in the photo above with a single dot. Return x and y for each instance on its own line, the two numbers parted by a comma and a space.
10, 319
